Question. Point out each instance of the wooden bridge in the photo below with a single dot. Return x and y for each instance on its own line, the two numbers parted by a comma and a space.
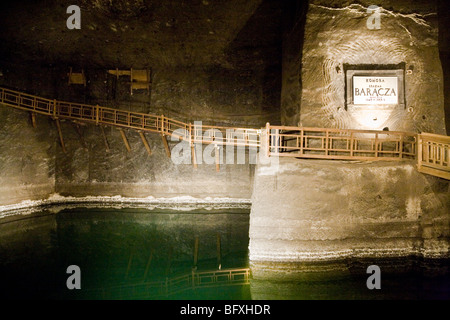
431, 151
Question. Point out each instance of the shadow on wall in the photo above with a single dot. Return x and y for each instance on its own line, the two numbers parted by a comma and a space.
256, 50
444, 54
294, 18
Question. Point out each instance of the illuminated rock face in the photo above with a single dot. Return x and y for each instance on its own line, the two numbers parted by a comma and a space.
344, 35
329, 210
27, 165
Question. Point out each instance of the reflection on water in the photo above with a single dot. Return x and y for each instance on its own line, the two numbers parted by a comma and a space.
143, 254
127, 254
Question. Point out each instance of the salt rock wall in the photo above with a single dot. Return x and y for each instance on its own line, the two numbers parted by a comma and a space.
336, 34
330, 210
92, 170
27, 157
88, 167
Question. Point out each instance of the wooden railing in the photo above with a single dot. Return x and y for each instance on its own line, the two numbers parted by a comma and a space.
431, 151
345, 144
433, 155
174, 285
133, 120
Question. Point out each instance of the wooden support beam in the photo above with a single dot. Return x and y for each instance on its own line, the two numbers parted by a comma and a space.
61, 140
125, 140
33, 119
194, 156
105, 139
217, 154
145, 142
166, 145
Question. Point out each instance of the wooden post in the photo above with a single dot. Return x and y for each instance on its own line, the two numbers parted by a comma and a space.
58, 125
145, 142
194, 156
196, 252
166, 145
425, 147
33, 119
125, 140
401, 147
219, 253
54, 108
97, 114
376, 145
217, 154
301, 141
105, 139
351, 144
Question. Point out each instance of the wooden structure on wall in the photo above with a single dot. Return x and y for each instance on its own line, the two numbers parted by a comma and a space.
76, 77
431, 151
433, 156
139, 79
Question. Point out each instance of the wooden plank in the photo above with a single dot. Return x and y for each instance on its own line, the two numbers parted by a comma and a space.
435, 172
145, 142
166, 145
61, 140
435, 137
125, 140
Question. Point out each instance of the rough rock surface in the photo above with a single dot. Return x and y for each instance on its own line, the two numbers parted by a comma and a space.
342, 209
336, 34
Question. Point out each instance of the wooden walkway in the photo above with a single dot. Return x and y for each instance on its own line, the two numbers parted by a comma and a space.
431, 151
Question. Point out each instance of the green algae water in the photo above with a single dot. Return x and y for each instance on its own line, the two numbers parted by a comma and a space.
183, 255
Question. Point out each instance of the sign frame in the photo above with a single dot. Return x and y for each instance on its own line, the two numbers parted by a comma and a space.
398, 73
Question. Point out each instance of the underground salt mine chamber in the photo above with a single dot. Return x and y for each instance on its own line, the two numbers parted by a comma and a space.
231, 150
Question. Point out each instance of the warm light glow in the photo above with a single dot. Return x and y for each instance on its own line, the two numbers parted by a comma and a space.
371, 118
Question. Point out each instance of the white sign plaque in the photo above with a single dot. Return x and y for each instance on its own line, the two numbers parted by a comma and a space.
375, 90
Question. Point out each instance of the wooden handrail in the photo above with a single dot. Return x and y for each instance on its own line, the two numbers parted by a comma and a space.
431, 151
122, 118
433, 155
341, 144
